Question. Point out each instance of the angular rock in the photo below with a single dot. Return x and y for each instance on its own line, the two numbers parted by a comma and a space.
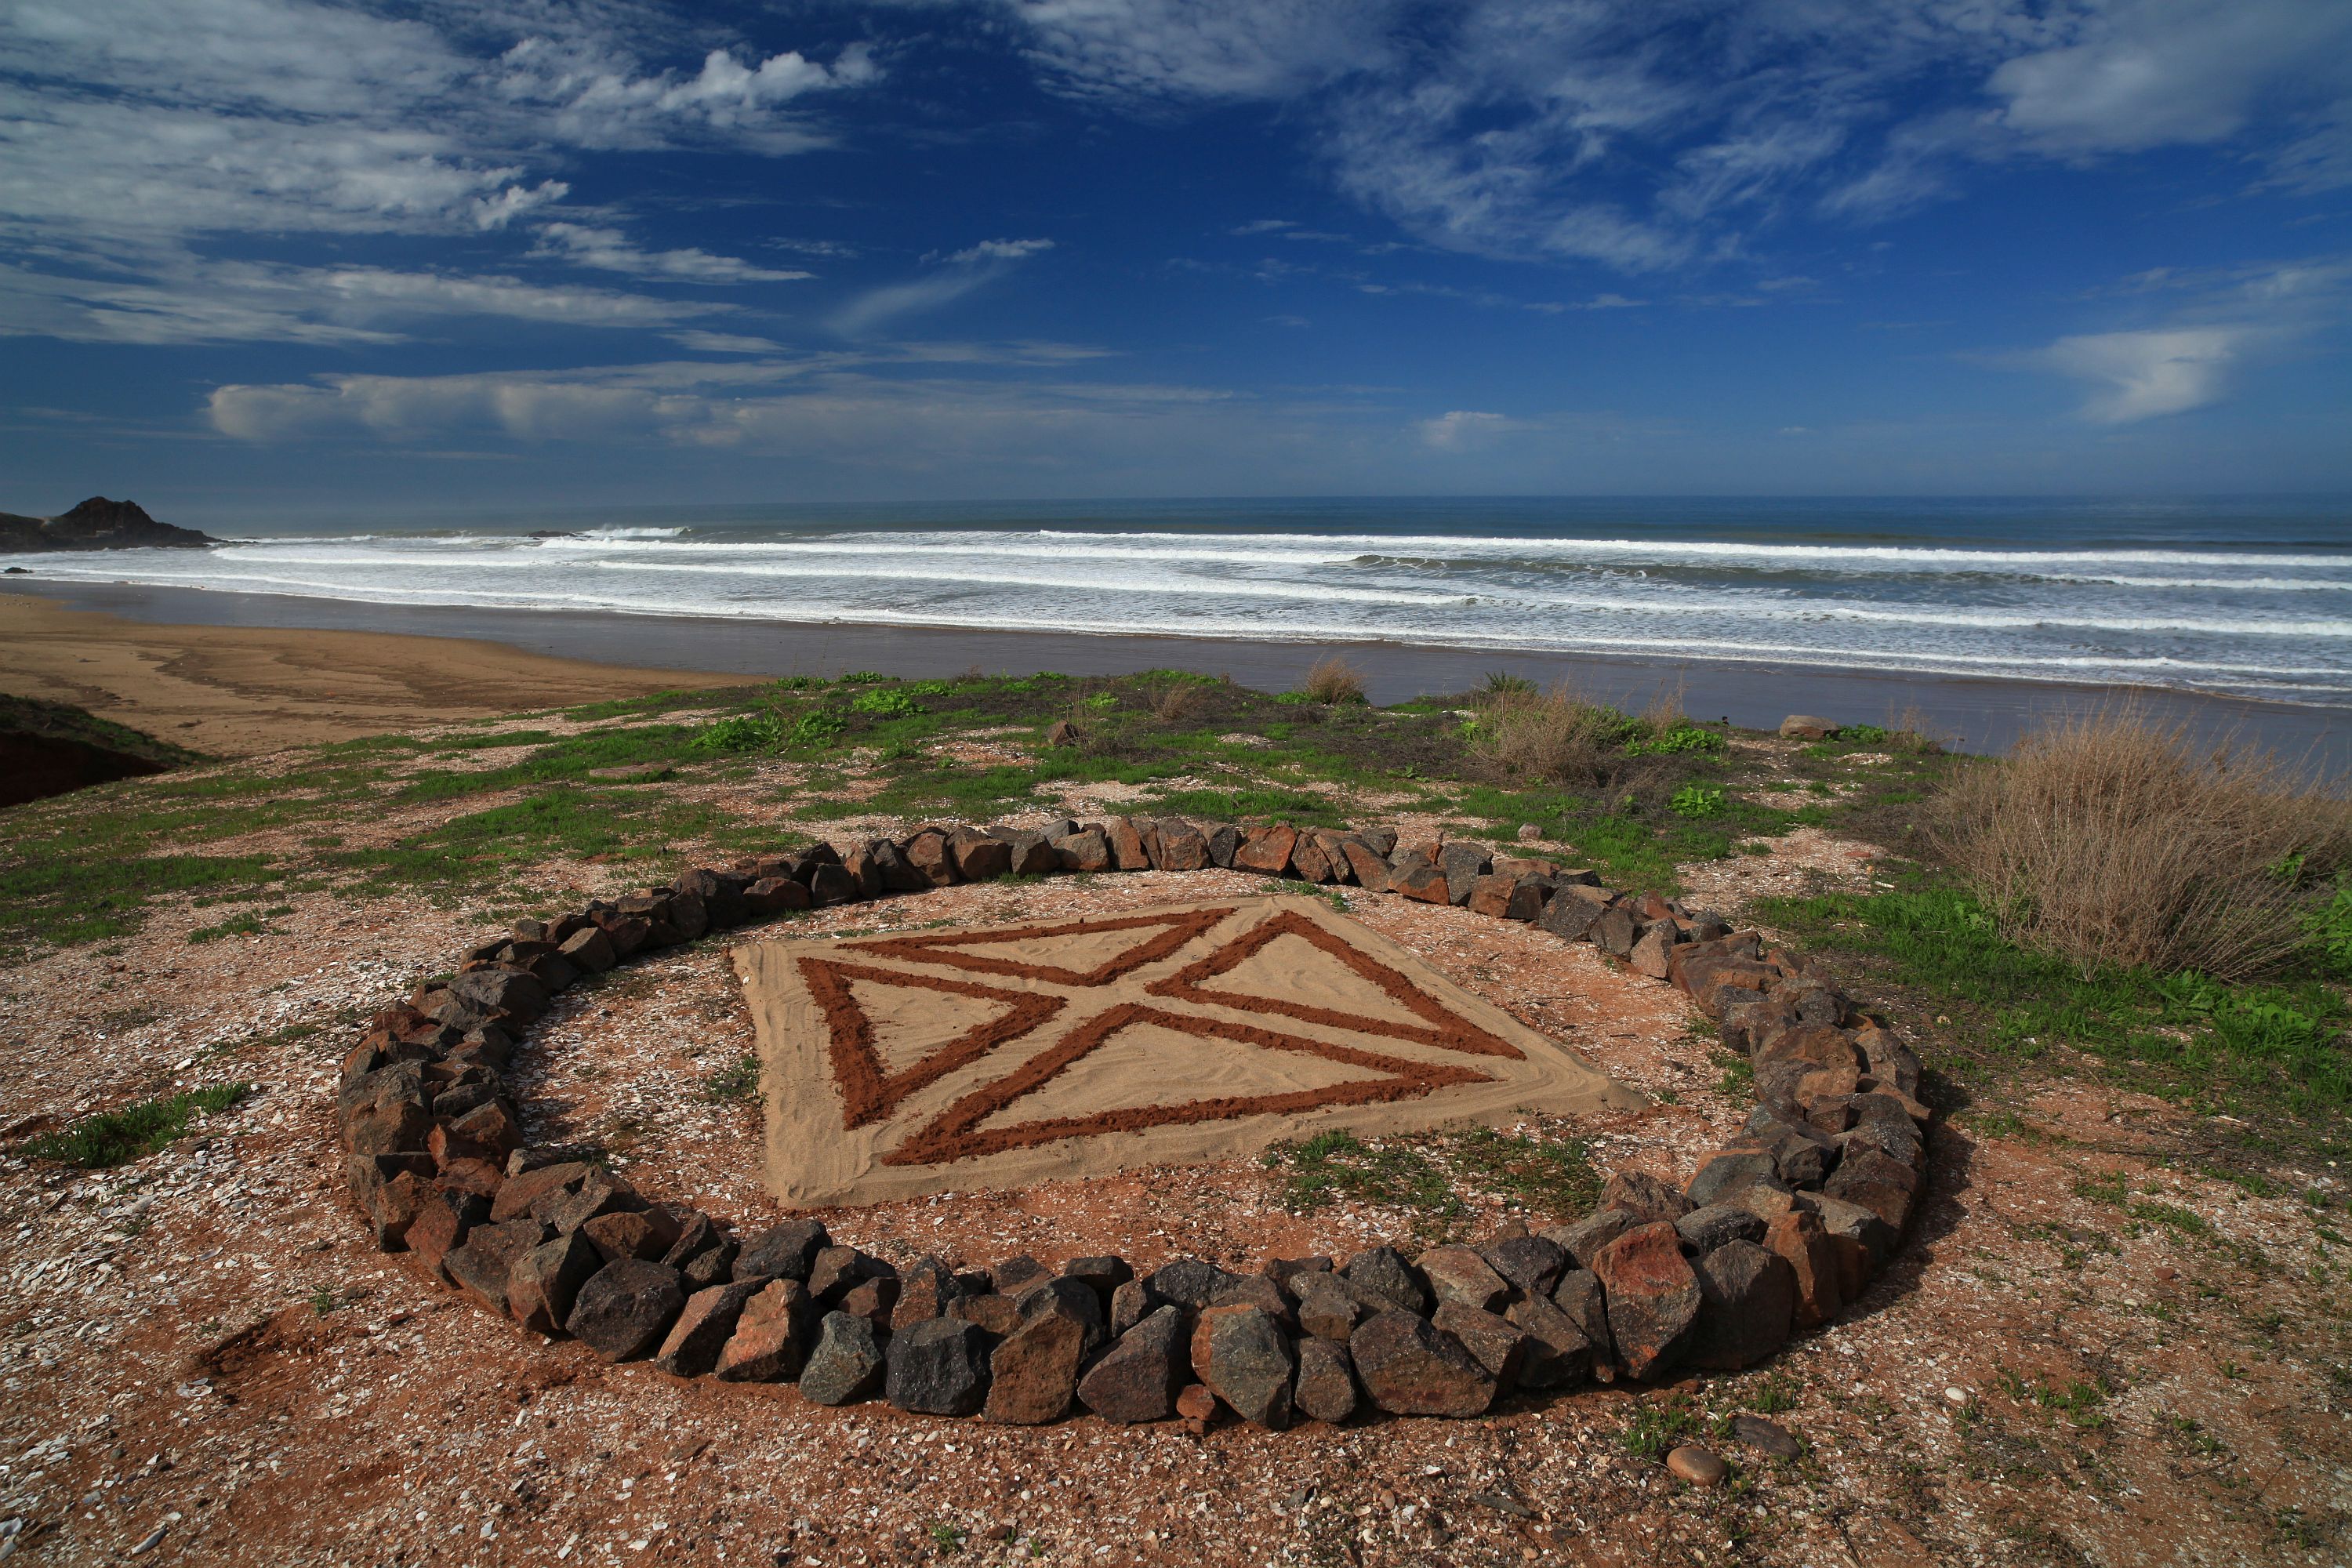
1747, 1303
1072, 1298
1494, 1342
1532, 1264
783, 1252
545, 1280
1727, 1170
1569, 915
978, 857
1408, 1367
830, 884
1181, 847
1266, 850
1616, 930
1130, 1304
1459, 1274
1104, 1273
1084, 851
772, 1334
1017, 1276
1326, 1386
1798, 1240
1644, 1196
938, 1367
932, 859
1368, 868
834, 1271
640, 1233
1127, 851
1653, 1297
1765, 1436
1703, 1230
1559, 1353
845, 1364
1862, 1226
1137, 1379
1224, 840
1580, 1297
1871, 1179
997, 1314
626, 1308
519, 1194
440, 1227
1419, 880
481, 1265
925, 1290
1033, 1371
1588, 1236
1330, 1306
1653, 954
1463, 863
591, 949
393, 1206
1308, 861
1257, 1290
1188, 1282
1241, 1354
704, 1325
1385, 1272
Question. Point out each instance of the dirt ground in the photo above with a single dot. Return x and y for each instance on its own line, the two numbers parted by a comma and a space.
2086, 1352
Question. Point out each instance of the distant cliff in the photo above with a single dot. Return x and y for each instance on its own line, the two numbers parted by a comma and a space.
97, 524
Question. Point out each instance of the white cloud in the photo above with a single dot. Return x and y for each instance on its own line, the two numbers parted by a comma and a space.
1159, 49
188, 300
959, 275
702, 341
2146, 374
1463, 429
610, 250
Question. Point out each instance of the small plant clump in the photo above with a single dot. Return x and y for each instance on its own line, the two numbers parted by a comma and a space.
1334, 681
117, 1137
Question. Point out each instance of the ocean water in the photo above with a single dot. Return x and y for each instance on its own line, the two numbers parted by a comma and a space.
2249, 598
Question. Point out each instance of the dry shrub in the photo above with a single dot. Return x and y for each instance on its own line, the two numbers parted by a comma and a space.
2110, 838
1333, 681
1173, 702
1558, 736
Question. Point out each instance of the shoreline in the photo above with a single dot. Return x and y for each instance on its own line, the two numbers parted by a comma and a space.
603, 654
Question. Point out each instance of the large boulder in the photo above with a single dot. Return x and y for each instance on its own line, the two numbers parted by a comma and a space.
1033, 1372
708, 1322
1459, 1274
939, 1367
1241, 1354
1139, 1378
773, 1335
1410, 1368
845, 1365
626, 1308
1385, 1272
1747, 1303
1653, 1297
787, 1251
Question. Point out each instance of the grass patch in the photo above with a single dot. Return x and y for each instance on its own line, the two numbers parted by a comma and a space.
737, 1083
117, 1137
1433, 1175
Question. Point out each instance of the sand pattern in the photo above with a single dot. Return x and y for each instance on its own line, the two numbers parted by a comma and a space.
1006, 1056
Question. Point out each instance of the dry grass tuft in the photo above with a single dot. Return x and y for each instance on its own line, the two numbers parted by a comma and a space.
1334, 680
1173, 702
1558, 736
2110, 838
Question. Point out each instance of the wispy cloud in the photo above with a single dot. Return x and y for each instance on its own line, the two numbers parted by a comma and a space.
611, 250
958, 274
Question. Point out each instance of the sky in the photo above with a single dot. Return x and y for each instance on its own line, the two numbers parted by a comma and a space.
289, 258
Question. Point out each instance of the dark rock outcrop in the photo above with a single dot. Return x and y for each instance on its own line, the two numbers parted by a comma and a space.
97, 523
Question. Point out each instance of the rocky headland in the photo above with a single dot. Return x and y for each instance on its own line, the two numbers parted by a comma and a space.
97, 523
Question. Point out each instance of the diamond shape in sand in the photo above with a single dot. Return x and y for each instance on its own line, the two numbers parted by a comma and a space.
1185, 1033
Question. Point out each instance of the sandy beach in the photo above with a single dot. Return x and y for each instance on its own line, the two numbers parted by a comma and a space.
240, 691
254, 671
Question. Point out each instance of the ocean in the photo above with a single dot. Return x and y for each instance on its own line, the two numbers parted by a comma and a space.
2249, 598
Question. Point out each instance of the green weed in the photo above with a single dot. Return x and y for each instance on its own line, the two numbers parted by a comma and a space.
117, 1137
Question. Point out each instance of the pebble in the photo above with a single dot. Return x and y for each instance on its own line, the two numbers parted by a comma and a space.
1957, 1395
1699, 1467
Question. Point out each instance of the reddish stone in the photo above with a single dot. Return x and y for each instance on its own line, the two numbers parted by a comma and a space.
543, 1282
772, 1334
1417, 879
1335, 851
876, 1300
1033, 1371
1494, 1342
1653, 1297
394, 1207
1871, 1179
1196, 1403
1083, 851
1410, 1368
519, 1193
1125, 840
643, 1233
1797, 1238
1326, 1389
1308, 861
440, 1225
1644, 1196
1371, 872
703, 1329
932, 859
626, 1308
979, 857
480, 1266
1266, 850
1459, 1274
1178, 845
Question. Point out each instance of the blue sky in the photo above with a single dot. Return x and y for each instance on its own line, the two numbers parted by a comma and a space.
285, 256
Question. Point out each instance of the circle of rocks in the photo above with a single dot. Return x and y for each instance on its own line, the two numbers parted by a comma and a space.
1777, 1231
